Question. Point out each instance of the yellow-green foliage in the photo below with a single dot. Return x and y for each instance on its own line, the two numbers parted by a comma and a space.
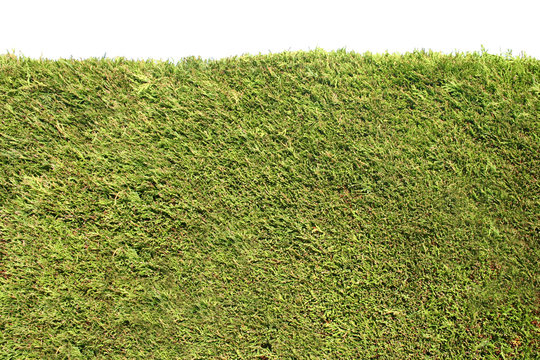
287, 206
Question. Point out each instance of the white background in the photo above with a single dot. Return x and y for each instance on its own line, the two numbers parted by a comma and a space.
164, 29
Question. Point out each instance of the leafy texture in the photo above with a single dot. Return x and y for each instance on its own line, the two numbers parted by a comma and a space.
294, 205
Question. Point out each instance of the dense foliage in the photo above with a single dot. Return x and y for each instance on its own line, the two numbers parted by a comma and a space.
294, 205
